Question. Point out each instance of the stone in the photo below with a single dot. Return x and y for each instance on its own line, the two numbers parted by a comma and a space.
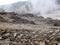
15, 34
58, 43
7, 34
0, 37
42, 43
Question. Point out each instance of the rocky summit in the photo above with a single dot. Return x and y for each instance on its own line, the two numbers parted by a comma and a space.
28, 29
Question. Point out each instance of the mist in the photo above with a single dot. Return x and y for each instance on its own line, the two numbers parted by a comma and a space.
42, 6
45, 6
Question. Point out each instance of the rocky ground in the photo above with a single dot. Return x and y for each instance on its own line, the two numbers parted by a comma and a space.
28, 29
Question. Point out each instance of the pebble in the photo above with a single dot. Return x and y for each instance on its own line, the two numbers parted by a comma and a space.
25, 37
0, 37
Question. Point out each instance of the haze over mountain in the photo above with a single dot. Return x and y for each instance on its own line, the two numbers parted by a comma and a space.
47, 8
18, 7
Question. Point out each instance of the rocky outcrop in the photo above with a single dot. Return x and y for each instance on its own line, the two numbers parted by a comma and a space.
11, 17
53, 22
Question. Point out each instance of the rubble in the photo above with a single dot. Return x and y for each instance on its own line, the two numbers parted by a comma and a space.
33, 30
25, 37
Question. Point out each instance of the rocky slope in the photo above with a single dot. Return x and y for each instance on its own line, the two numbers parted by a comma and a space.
27, 29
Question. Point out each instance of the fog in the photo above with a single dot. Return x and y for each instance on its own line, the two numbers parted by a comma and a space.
44, 7
47, 8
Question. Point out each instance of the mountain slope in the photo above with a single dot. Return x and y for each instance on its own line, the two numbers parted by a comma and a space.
13, 18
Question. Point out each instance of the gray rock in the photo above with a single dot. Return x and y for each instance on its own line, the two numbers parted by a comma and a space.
0, 37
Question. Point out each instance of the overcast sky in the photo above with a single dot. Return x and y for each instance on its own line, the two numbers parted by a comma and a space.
4, 2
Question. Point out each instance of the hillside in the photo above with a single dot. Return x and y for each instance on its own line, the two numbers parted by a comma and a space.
27, 29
